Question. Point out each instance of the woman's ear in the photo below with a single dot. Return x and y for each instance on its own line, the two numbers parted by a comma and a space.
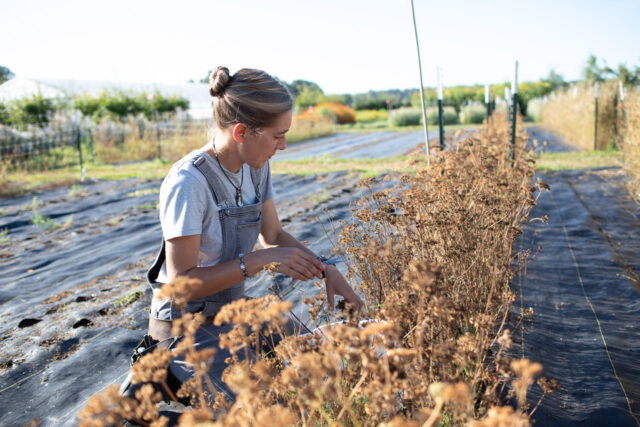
239, 132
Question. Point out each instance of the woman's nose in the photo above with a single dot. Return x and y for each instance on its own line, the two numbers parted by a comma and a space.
283, 144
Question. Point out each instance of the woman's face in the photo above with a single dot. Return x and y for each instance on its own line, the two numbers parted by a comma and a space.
257, 149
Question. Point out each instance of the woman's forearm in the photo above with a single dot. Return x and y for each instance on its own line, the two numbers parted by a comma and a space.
295, 261
284, 239
224, 275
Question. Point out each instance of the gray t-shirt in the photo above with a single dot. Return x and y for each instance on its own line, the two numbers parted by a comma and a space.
187, 206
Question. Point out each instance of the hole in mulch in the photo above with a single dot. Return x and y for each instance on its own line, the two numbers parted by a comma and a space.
82, 323
83, 298
25, 323
104, 311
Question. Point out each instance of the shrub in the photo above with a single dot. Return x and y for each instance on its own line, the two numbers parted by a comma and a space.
88, 105
120, 105
472, 114
5, 118
34, 110
449, 115
366, 116
340, 112
406, 117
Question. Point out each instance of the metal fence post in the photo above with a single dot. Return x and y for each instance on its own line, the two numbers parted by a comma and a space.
424, 108
507, 99
622, 110
487, 101
79, 145
514, 115
595, 132
440, 110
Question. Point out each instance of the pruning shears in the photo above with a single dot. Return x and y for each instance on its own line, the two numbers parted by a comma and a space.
331, 261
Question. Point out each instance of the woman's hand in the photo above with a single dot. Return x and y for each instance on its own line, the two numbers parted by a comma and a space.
295, 262
337, 284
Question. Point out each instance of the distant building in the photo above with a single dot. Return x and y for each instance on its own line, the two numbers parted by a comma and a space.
19, 88
196, 93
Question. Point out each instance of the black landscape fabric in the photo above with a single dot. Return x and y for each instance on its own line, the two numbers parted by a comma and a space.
582, 283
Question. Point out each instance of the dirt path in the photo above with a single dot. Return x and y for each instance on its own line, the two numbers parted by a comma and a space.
582, 284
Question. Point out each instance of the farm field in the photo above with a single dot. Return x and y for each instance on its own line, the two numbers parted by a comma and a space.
73, 298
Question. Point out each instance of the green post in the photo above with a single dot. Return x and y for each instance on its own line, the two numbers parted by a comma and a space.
440, 110
487, 101
595, 133
79, 145
514, 115
622, 110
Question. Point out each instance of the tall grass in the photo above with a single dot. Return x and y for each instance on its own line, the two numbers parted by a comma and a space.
571, 113
309, 126
631, 141
432, 259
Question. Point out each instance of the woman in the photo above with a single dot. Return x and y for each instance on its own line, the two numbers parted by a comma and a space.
216, 202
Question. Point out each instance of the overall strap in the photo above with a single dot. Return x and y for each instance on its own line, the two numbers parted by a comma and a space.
255, 179
215, 183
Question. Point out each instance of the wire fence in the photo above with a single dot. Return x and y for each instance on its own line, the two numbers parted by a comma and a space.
68, 141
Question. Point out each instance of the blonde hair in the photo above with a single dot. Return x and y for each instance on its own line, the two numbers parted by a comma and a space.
250, 96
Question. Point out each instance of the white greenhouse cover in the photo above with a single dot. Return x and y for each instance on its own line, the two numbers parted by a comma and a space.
18, 88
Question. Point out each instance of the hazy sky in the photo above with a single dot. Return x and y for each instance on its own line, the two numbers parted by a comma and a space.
345, 46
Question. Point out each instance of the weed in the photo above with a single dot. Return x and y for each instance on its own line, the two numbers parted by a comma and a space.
139, 193
76, 190
5, 239
41, 221
128, 299
321, 198
115, 221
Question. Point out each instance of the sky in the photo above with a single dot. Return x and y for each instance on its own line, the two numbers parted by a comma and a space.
345, 46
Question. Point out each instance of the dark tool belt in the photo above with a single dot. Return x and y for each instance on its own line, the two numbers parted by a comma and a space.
148, 344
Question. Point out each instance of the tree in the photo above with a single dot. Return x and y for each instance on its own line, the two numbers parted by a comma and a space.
5, 74
626, 75
205, 79
556, 80
306, 93
592, 71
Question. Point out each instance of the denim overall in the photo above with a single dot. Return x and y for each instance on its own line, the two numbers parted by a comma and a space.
240, 229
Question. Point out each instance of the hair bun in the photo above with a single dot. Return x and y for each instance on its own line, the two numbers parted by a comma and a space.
218, 81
